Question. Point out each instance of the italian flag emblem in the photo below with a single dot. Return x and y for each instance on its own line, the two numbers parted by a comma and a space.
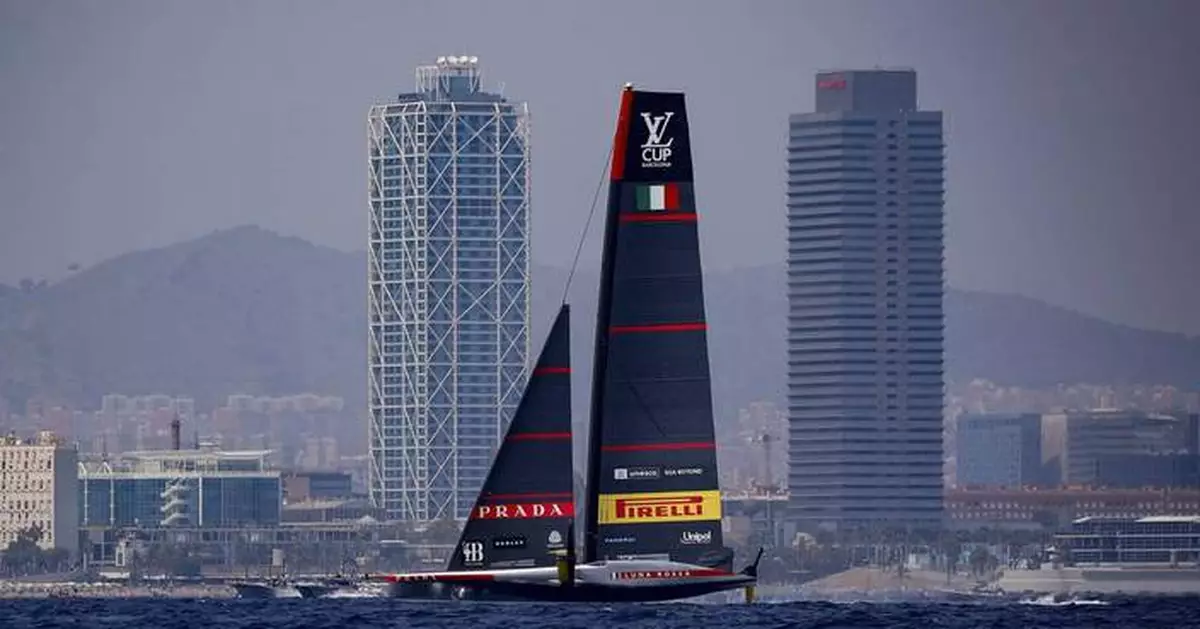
656, 198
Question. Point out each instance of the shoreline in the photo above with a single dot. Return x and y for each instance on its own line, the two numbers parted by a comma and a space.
32, 589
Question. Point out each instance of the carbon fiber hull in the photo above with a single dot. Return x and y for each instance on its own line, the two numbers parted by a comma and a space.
607, 582
529, 592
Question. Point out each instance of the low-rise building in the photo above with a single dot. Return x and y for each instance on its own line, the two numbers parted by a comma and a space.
305, 486
1166, 540
39, 488
181, 488
1049, 509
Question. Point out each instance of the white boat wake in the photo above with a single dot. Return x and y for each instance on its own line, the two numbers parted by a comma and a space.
1050, 600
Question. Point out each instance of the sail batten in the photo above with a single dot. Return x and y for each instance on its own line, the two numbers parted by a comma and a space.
652, 469
526, 505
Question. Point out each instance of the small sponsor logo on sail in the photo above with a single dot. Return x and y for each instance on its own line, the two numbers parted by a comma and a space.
672, 472
524, 511
636, 473
668, 506
472, 552
509, 541
528, 562
696, 537
656, 150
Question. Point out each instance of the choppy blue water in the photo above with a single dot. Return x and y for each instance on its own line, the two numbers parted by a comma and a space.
1157, 613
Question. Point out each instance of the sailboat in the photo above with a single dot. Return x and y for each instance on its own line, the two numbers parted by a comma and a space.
652, 508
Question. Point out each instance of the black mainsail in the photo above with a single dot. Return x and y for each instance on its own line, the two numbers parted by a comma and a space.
652, 467
526, 506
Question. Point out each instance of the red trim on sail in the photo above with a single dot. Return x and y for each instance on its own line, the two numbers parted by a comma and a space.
527, 494
538, 436
545, 371
648, 447
659, 327
622, 137
660, 217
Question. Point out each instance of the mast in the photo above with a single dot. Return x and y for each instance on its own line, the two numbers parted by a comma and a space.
600, 353
652, 470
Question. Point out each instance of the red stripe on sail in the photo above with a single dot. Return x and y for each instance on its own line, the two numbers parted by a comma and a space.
538, 436
528, 494
659, 327
650, 447
622, 137
646, 217
671, 196
545, 371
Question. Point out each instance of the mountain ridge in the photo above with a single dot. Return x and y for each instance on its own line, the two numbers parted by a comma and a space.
246, 310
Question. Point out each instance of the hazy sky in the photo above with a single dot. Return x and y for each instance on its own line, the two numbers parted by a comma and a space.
1073, 142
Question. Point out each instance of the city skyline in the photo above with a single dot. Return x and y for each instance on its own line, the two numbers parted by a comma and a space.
223, 348
1027, 176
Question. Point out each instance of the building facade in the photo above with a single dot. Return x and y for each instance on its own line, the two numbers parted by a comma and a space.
1050, 509
1096, 444
39, 488
448, 287
1166, 540
179, 489
1001, 450
304, 486
865, 239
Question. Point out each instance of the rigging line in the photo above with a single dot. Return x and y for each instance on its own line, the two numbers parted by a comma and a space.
588, 223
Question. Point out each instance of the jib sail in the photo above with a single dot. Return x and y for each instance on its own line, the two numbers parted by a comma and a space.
652, 466
527, 502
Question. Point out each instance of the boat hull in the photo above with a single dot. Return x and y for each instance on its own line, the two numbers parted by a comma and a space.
246, 589
603, 582
315, 590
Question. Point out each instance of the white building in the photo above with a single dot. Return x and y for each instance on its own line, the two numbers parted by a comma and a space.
448, 299
39, 486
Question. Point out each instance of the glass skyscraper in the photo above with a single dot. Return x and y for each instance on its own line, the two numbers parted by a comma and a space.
448, 287
865, 208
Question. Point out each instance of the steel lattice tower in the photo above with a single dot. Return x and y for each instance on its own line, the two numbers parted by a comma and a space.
448, 301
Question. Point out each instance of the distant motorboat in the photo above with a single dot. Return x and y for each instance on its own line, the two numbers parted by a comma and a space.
271, 588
